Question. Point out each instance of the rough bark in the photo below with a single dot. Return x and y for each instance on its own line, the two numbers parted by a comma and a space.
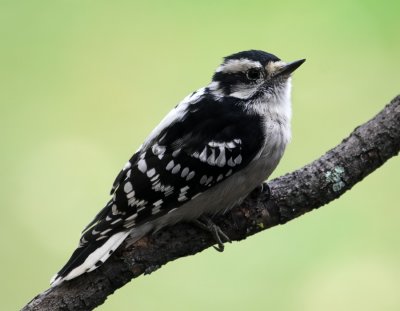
310, 187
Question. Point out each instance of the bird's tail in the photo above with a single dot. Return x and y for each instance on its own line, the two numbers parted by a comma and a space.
89, 255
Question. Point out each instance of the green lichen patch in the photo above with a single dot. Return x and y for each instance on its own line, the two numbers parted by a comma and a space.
335, 177
260, 226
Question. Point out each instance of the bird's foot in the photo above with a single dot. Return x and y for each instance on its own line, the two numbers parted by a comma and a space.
219, 236
262, 189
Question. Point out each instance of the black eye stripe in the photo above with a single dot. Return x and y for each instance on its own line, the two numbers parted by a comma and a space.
231, 78
228, 80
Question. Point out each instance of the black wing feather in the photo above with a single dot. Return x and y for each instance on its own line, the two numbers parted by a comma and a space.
178, 164
206, 122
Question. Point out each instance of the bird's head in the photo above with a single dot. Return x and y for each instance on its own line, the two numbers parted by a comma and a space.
251, 74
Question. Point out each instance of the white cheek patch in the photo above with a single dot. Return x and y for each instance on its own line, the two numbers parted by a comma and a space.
244, 91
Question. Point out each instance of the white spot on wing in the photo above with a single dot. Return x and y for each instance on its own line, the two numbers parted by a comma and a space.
101, 237
114, 209
176, 152
128, 187
195, 154
211, 158
203, 180
238, 159
185, 171
140, 208
159, 202
230, 145
185, 189
231, 163
142, 166
136, 202
220, 160
158, 150
150, 173
168, 190
105, 231
190, 176
176, 169
129, 225
155, 178
170, 165
203, 155
157, 207
155, 210
130, 194
116, 220
132, 217
182, 198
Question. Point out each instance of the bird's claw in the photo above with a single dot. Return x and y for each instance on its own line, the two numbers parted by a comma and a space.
219, 236
262, 189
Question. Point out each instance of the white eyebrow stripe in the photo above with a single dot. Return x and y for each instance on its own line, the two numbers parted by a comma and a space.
237, 65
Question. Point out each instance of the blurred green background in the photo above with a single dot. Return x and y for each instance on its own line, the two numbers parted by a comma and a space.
83, 83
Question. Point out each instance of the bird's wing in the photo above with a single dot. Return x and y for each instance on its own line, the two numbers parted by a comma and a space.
203, 145
172, 117
209, 143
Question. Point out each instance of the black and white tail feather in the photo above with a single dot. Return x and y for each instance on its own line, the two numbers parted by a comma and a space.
208, 153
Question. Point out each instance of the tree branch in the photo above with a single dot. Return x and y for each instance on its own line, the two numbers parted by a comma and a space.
327, 178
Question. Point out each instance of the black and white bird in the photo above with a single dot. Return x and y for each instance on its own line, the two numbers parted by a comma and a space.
205, 156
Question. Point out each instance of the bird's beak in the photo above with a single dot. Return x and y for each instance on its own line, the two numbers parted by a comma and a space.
288, 68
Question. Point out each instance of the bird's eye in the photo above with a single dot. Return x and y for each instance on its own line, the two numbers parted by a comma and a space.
253, 74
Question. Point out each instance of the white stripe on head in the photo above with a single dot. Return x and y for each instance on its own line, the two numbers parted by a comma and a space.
238, 65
